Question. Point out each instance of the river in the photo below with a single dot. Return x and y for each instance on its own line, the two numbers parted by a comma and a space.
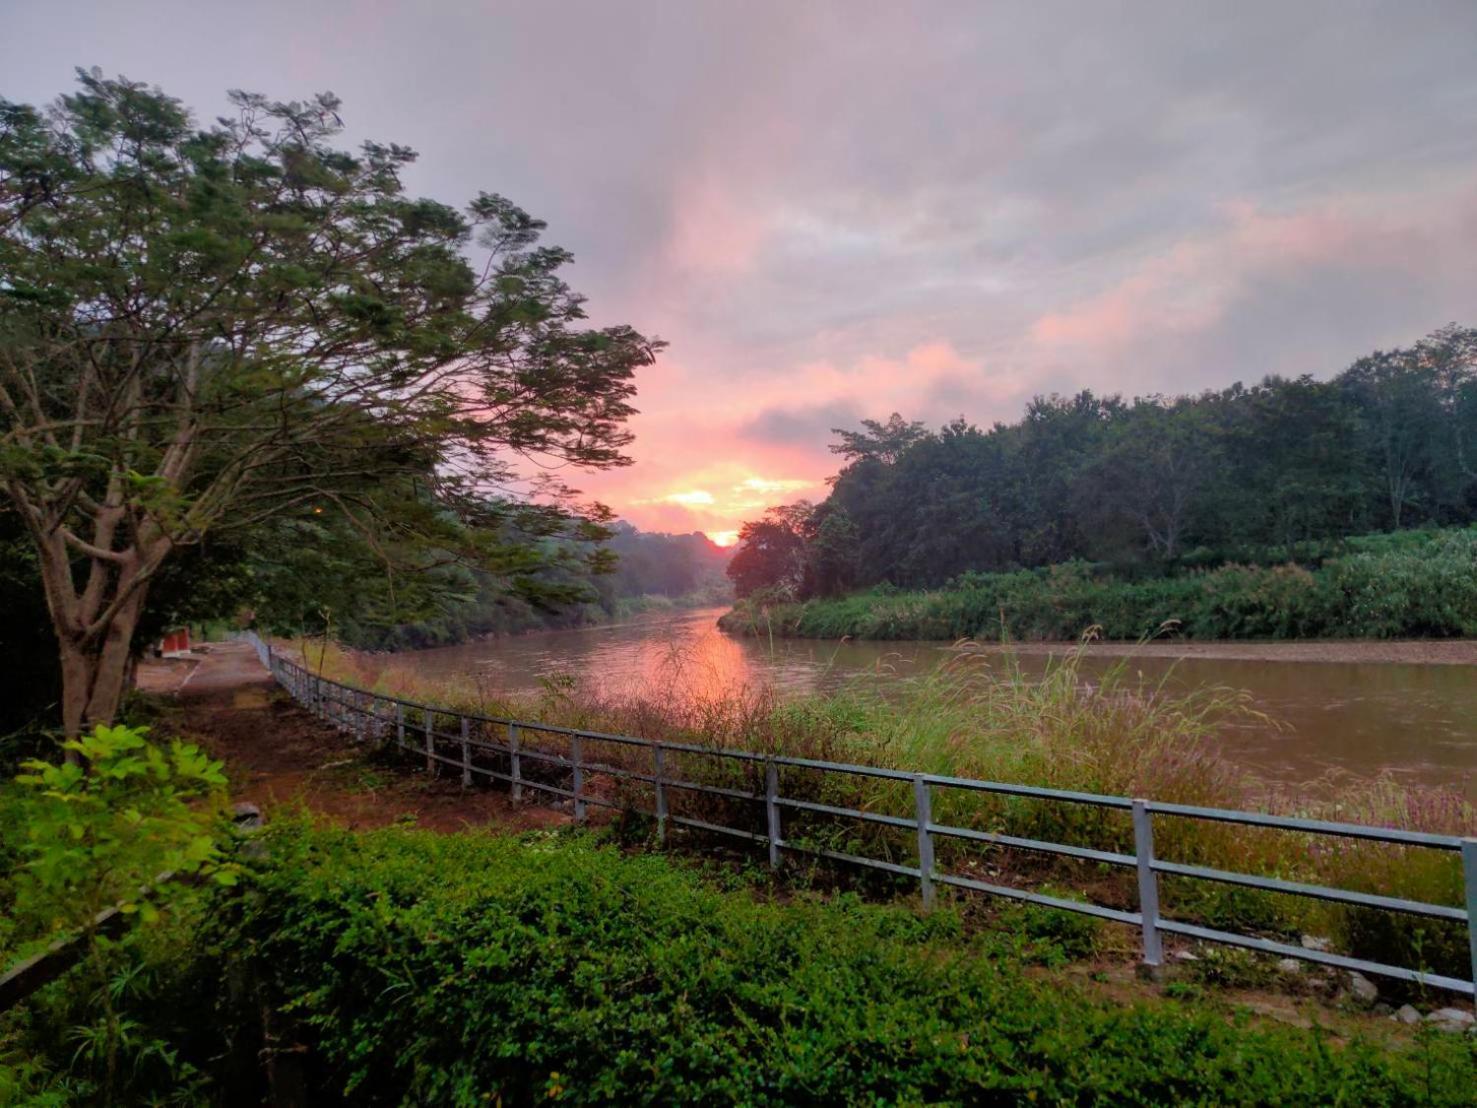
1415, 720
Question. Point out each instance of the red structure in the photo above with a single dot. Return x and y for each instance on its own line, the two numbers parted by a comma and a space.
175, 643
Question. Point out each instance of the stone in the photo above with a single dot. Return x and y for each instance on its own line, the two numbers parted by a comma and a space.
1185, 956
1363, 988
1289, 965
1452, 1019
1314, 942
1407, 1015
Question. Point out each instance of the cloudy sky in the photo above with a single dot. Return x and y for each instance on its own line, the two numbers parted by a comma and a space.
837, 210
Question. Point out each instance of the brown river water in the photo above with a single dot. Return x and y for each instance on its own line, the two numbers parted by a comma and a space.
1360, 717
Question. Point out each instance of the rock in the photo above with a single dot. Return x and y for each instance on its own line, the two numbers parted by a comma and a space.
1314, 942
1185, 956
1407, 1015
1383, 1009
1289, 965
1452, 1019
1363, 988
246, 816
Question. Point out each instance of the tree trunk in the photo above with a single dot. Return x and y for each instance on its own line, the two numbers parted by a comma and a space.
95, 673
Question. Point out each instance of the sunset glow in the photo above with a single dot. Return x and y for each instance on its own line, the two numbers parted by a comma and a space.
815, 254
723, 538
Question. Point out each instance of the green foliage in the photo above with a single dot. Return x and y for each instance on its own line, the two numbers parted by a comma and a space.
208, 330
81, 837
1389, 443
457, 969
1230, 967
1420, 583
1054, 934
102, 827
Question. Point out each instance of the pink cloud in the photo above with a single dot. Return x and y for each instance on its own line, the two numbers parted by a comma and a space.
1192, 285
697, 469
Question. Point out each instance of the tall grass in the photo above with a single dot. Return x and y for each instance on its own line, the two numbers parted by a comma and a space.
979, 715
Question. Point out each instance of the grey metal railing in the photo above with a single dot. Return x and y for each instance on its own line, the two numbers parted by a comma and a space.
368, 715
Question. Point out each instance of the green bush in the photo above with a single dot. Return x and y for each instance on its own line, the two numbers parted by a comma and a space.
1415, 583
80, 837
466, 969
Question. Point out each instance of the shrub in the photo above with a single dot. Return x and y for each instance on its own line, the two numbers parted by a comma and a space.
83, 836
468, 968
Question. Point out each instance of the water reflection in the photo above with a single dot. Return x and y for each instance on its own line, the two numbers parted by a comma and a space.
1418, 721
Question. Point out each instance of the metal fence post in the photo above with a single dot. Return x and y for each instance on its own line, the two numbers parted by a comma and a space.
517, 766
430, 743
659, 766
1469, 877
1143, 849
772, 811
579, 777
399, 724
923, 811
466, 755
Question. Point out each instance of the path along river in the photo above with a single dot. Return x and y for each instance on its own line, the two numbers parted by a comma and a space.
1410, 709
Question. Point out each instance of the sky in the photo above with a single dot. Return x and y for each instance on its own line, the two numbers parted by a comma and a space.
834, 211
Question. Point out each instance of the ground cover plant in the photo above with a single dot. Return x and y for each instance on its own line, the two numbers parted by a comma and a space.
458, 969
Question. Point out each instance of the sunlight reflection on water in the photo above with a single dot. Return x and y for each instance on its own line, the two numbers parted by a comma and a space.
1418, 721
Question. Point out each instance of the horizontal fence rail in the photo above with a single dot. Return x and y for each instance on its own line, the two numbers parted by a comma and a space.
444, 737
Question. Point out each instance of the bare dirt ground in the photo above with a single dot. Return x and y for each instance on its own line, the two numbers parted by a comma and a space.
279, 757
1429, 652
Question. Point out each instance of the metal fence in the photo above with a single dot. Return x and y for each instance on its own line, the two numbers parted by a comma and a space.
423, 729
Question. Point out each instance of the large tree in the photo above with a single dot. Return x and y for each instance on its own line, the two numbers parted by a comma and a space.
206, 328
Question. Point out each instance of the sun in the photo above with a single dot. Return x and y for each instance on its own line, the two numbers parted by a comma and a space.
723, 538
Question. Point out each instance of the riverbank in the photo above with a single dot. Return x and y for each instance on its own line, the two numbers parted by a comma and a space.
1398, 586
1111, 732
1423, 652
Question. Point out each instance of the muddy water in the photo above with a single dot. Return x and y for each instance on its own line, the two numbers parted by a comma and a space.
1418, 721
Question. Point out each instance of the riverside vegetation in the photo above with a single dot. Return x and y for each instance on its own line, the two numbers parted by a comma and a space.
404, 967
980, 716
1399, 584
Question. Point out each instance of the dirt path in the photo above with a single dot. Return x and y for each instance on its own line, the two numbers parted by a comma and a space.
278, 756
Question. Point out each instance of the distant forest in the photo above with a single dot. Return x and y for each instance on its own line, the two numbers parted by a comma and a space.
1149, 486
643, 571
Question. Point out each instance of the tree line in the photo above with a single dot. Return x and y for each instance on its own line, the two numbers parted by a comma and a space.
1149, 485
